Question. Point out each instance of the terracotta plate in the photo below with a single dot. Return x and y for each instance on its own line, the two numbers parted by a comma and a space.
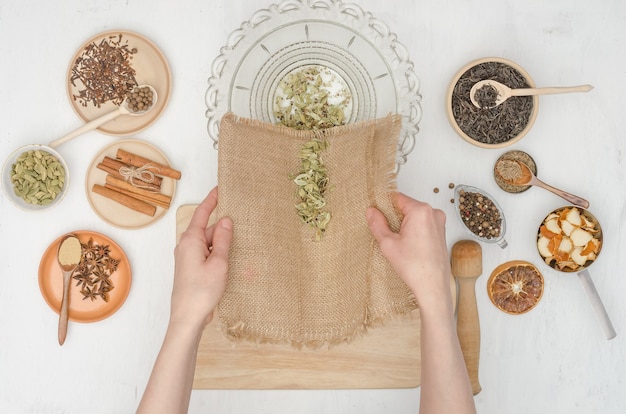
150, 67
113, 212
84, 310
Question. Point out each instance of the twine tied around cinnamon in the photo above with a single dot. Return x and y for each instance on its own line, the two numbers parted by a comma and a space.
143, 173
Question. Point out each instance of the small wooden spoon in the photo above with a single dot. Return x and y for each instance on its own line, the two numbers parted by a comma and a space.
123, 109
528, 178
68, 256
504, 92
466, 261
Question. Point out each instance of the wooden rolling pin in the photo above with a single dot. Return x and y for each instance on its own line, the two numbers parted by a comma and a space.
467, 264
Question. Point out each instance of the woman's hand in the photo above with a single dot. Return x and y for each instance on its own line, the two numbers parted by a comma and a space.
201, 268
200, 277
418, 252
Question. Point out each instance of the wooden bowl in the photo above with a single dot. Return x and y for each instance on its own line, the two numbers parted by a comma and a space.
465, 99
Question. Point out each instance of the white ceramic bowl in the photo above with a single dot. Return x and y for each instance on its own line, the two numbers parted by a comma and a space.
7, 182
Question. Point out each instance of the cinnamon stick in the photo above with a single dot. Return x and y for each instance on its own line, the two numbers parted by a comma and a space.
148, 196
139, 161
112, 166
153, 202
125, 200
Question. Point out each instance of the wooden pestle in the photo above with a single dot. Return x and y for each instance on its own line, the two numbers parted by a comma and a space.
466, 262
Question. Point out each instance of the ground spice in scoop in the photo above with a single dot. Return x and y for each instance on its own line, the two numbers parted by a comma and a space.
491, 125
513, 155
509, 170
70, 251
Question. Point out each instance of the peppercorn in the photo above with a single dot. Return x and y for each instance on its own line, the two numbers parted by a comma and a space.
480, 215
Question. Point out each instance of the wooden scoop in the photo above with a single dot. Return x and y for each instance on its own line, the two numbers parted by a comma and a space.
68, 256
504, 92
123, 109
467, 264
528, 178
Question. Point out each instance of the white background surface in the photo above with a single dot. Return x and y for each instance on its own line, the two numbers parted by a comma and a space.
554, 359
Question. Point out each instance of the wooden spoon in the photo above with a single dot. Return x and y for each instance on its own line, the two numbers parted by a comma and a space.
123, 109
528, 178
68, 256
504, 92
466, 261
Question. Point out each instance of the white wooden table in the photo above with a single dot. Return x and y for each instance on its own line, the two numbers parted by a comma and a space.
554, 359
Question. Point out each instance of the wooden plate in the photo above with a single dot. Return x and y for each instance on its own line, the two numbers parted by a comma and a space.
113, 212
84, 310
151, 68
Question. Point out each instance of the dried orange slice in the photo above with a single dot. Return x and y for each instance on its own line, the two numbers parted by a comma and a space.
515, 287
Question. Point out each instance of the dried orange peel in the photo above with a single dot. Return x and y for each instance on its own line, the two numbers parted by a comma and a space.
569, 239
515, 287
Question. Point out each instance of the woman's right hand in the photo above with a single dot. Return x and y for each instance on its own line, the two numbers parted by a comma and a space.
418, 252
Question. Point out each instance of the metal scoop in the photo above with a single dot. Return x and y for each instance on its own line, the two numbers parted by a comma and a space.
528, 178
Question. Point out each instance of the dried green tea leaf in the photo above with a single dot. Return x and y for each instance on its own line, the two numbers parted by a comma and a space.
312, 98
312, 182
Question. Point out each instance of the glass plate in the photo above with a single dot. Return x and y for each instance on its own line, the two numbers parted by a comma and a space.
290, 35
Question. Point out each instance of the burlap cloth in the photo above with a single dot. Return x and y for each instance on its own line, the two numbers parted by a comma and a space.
283, 285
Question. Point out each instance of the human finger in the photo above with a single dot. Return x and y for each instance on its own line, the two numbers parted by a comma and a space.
222, 237
200, 217
404, 203
377, 223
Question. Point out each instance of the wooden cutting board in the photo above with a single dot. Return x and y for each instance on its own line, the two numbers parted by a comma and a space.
386, 356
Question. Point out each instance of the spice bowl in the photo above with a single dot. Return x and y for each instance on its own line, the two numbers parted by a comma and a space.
569, 240
480, 214
495, 127
518, 156
35, 177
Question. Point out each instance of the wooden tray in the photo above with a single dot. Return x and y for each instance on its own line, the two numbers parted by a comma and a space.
387, 356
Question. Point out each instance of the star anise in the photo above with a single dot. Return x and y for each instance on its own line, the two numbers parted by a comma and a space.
111, 265
94, 270
89, 249
83, 279
102, 250
89, 293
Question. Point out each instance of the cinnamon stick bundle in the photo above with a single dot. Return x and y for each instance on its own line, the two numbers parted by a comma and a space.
140, 192
113, 166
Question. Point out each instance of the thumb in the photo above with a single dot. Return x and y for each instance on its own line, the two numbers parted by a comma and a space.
222, 237
377, 223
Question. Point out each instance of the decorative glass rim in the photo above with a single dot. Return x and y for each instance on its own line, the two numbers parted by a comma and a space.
350, 17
